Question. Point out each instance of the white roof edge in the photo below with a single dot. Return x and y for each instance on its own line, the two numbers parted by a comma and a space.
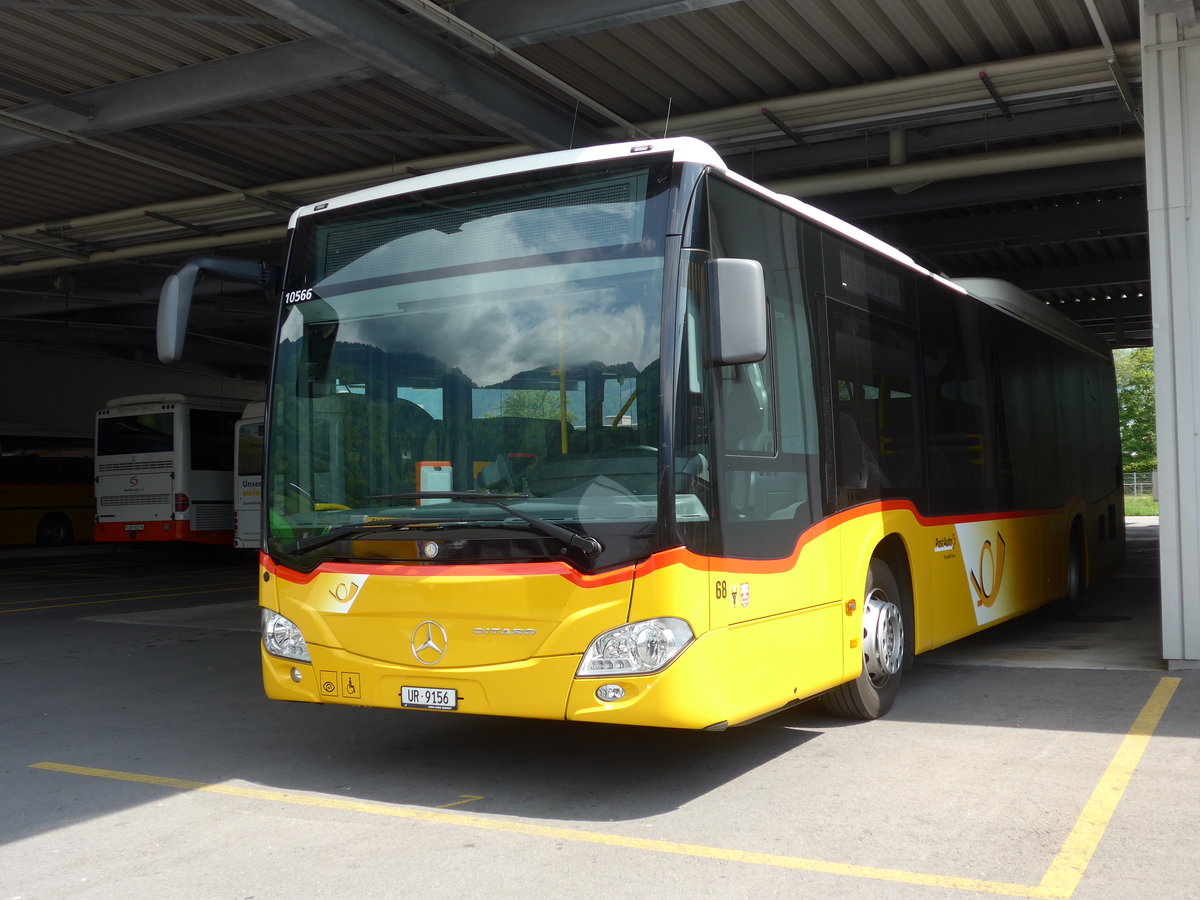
174, 397
852, 232
683, 149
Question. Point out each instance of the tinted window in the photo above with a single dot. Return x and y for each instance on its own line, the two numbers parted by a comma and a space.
875, 408
768, 460
212, 439
147, 433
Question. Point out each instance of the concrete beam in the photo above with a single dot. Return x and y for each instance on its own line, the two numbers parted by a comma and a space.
391, 43
1124, 217
267, 74
520, 23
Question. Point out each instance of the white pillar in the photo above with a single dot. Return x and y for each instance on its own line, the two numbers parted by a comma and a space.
1171, 96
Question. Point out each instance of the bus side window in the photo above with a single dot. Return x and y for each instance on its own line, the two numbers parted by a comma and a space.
874, 370
212, 439
749, 419
959, 422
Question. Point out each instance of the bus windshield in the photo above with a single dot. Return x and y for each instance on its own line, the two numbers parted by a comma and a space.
498, 338
143, 433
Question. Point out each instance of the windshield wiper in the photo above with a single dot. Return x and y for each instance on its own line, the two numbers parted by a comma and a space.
306, 545
589, 546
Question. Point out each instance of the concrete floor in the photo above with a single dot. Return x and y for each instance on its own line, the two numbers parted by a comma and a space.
1049, 758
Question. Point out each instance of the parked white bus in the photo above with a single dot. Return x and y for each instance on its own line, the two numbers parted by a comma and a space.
164, 468
247, 475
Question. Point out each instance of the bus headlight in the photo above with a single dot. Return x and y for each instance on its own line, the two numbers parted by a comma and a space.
282, 638
636, 649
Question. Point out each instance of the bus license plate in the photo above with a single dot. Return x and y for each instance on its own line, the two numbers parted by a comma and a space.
138, 527
428, 698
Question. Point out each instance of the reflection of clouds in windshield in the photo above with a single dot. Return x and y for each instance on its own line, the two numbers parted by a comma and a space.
450, 242
491, 343
292, 328
464, 303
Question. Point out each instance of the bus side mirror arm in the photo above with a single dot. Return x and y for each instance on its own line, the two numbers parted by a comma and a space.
175, 299
738, 305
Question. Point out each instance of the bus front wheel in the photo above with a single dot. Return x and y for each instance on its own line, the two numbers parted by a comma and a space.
872, 693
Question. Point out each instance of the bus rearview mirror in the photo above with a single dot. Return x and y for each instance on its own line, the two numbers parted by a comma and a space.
175, 299
738, 305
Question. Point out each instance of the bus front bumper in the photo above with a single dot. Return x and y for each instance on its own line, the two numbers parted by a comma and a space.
124, 532
681, 696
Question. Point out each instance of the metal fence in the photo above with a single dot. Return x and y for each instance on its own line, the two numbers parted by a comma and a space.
1139, 484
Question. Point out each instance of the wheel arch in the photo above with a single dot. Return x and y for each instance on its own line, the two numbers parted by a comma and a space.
1077, 543
894, 551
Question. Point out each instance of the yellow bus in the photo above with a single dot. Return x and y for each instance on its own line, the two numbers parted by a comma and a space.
45, 486
617, 435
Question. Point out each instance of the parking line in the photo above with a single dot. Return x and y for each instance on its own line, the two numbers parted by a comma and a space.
1072, 860
1059, 882
146, 594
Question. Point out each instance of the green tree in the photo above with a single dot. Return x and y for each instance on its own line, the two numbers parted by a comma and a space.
532, 404
1135, 403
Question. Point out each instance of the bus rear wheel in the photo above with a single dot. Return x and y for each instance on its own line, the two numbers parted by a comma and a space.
872, 693
1076, 577
54, 531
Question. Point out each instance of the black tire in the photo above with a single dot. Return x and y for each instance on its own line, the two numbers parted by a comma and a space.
55, 530
1072, 602
884, 645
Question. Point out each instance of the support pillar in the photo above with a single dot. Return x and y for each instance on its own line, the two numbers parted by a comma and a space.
1171, 96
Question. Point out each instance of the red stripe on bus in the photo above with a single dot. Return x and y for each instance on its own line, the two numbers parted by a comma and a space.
675, 556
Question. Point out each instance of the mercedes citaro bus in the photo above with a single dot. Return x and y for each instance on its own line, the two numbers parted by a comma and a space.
617, 435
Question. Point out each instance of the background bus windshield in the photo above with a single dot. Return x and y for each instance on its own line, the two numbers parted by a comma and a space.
144, 433
497, 336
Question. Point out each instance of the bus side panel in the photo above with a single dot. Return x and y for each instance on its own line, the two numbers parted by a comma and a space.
790, 630
24, 506
211, 506
979, 572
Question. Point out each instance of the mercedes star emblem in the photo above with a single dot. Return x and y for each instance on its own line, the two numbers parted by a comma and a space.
429, 643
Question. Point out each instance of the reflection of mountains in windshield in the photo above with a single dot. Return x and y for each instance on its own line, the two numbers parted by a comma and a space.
491, 328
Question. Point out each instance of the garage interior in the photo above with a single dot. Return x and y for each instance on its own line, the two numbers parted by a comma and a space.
1000, 138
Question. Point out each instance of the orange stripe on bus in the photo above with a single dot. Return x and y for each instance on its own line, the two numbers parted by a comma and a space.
675, 556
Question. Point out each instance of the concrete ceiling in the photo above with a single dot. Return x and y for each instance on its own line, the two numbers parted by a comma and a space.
996, 137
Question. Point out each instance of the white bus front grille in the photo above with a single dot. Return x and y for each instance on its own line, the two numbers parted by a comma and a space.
113, 468
136, 500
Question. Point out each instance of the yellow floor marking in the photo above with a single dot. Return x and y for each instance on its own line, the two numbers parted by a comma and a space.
128, 590
462, 798
1059, 882
149, 595
1072, 860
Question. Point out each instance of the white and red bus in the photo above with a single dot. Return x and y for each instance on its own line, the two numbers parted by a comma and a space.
247, 475
164, 468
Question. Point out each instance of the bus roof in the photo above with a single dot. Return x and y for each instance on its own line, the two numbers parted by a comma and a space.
994, 292
188, 399
1007, 296
682, 150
